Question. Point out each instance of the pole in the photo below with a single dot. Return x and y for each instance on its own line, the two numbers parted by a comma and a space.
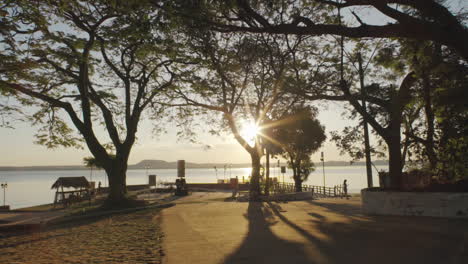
4, 186
323, 166
277, 169
267, 174
366, 128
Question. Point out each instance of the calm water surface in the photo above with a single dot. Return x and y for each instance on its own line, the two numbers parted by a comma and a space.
29, 188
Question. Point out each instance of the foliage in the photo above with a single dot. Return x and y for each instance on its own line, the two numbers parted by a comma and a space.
350, 141
300, 134
430, 20
246, 78
91, 162
99, 64
436, 117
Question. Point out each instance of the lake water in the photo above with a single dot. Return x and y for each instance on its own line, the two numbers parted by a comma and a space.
29, 188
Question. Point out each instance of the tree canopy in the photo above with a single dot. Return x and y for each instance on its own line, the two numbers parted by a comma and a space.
100, 64
300, 135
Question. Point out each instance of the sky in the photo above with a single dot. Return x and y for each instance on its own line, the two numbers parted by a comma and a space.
17, 147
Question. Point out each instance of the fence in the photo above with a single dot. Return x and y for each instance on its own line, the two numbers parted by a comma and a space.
319, 191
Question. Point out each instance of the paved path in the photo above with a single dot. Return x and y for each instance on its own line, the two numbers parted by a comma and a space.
203, 228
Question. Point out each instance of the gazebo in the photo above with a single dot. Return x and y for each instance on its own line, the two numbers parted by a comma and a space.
81, 192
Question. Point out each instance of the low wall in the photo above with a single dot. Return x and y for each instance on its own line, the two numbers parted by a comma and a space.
437, 204
218, 186
211, 186
296, 196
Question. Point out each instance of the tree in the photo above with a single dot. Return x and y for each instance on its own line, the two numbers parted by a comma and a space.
411, 19
300, 136
441, 74
244, 79
81, 56
91, 162
418, 20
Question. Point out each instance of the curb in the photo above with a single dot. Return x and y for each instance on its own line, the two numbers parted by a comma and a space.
64, 219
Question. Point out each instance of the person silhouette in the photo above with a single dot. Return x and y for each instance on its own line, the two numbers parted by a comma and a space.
345, 188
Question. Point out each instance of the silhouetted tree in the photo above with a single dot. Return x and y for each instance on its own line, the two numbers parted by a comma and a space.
100, 63
421, 20
300, 134
242, 77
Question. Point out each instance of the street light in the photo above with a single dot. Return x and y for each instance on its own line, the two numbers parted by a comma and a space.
4, 186
322, 159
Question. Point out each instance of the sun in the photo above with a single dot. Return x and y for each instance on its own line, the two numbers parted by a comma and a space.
249, 131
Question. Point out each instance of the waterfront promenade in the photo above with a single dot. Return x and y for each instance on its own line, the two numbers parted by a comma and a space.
208, 227
203, 228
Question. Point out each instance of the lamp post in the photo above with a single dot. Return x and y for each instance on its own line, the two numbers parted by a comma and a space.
322, 159
4, 186
278, 168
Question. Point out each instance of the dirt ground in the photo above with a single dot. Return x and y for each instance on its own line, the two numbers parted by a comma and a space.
128, 238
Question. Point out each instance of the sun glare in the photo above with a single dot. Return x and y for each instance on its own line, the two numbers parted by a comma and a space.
250, 131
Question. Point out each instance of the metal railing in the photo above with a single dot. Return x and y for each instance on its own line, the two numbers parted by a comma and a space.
319, 191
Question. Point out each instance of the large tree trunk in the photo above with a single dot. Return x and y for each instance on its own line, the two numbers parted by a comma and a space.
365, 127
298, 185
297, 176
430, 117
395, 163
255, 179
117, 175
394, 152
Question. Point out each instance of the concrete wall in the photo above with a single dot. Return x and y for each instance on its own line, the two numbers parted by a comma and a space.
437, 204
218, 186
297, 196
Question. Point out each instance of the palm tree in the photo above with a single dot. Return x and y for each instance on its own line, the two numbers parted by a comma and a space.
91, 162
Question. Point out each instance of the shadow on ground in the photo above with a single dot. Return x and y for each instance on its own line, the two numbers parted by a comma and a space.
260, 241
351, 237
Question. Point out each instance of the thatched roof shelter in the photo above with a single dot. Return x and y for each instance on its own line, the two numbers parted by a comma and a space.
67, 182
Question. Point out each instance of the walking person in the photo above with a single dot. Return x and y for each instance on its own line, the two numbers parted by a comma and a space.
345, 188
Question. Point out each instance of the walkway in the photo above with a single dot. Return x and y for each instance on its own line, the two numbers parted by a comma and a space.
203, 228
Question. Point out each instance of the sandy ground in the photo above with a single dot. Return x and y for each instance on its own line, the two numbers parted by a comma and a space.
130, 238
203, 228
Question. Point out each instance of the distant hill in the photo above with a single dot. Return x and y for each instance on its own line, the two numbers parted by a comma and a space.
161, 164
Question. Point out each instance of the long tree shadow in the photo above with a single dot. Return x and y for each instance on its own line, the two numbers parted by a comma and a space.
261, 245
340, 208
385, 239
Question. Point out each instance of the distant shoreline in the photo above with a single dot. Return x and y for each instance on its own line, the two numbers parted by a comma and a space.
160, 164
